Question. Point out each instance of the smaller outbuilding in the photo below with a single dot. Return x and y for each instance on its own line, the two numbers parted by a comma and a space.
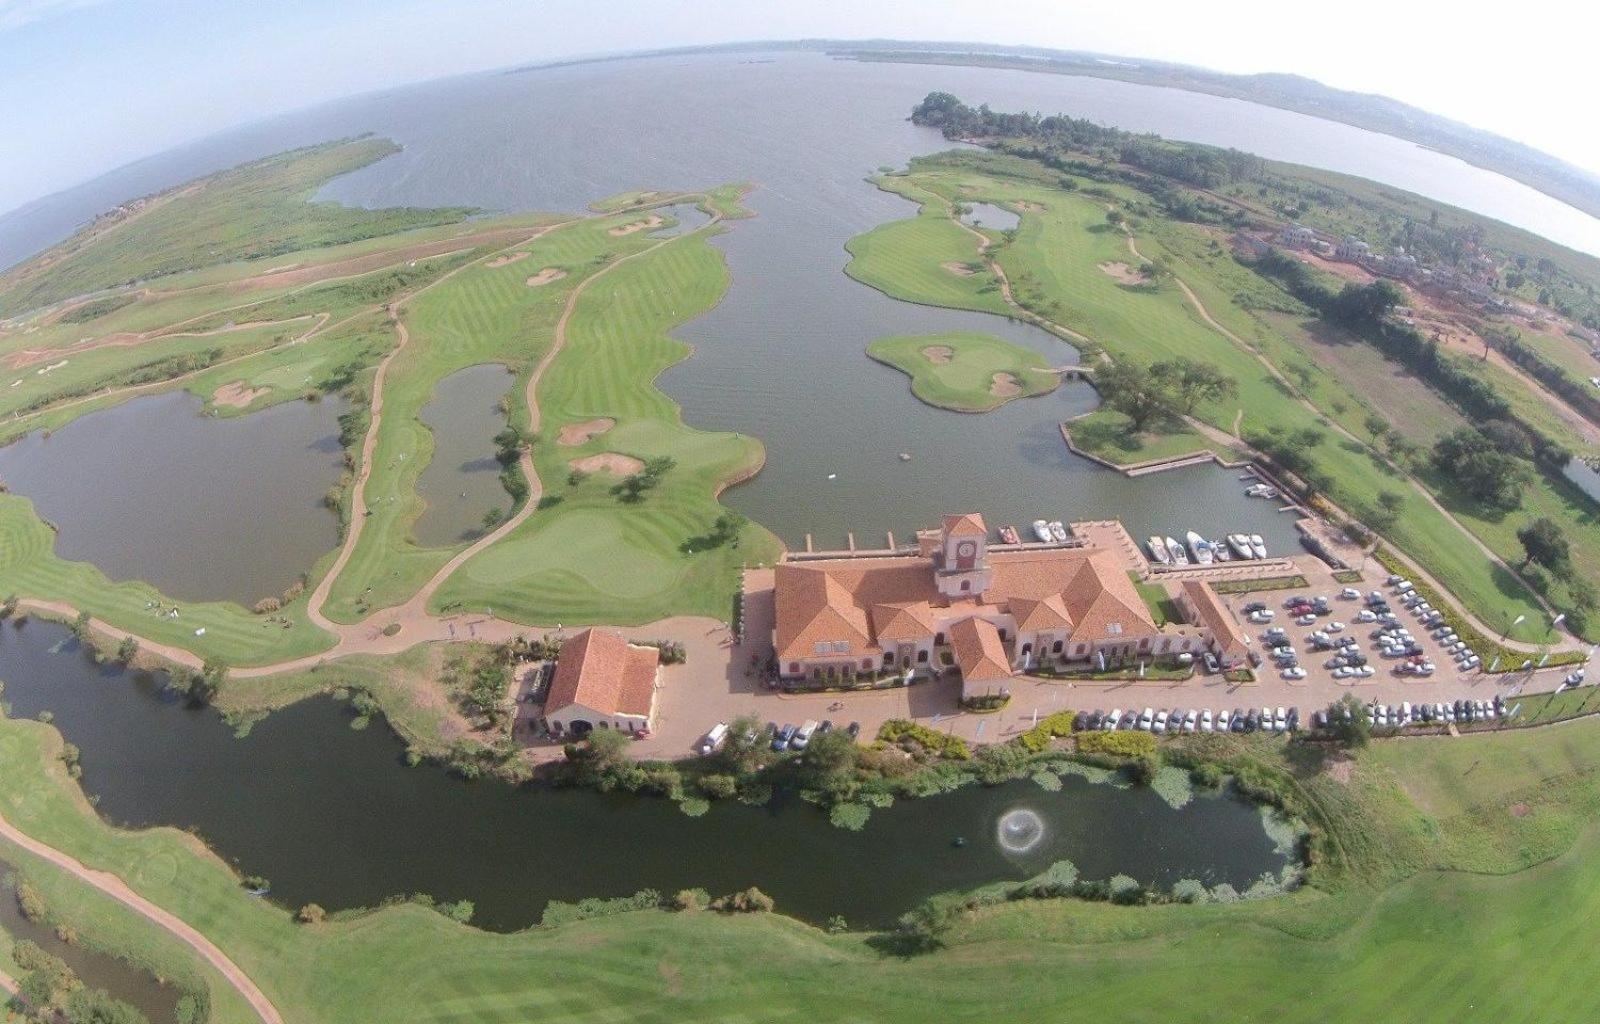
602, 682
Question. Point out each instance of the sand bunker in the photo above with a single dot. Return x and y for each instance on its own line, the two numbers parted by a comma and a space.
939, 353
1123, 273
608, 462
545, 276
1024, 205
574, 434
958, 269
649, 223
510, 257
1005, 385
236, 395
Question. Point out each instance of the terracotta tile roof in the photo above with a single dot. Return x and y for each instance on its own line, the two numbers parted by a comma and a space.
600, 670
978, 651
839, 608
1214, 615
969, 525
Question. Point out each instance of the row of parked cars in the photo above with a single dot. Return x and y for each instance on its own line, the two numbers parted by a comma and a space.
1404, 714
1179, 720
785, 737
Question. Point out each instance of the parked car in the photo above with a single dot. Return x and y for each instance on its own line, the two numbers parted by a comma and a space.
1211, 662
713, 738
781, 741
1294, 672
802, 735
1350, 593
1147, 719
1160, 721
854, 728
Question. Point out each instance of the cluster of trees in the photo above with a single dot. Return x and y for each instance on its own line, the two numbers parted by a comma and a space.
1481, 468
1364, 311
51, 992
1579, 394
725, 530
482, 685
1162, 392
1052, 137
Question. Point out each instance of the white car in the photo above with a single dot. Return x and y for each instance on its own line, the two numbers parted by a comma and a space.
1280, 720
1224, 720
1161, 721
1294, 672
1147, 719
1262, 616
1365, 671
1335, 627
1207, 724
1366, 615
1306, 620
1191, 720
1350, 593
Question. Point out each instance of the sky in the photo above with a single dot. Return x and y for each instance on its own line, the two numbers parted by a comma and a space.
88, 85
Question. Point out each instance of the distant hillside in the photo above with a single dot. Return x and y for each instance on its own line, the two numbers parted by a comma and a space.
1548, 174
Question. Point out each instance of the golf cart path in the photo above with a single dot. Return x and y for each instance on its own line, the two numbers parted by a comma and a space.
117, 889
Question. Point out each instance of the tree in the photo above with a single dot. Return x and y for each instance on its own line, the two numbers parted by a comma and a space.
1481, 470
1134, 391
312, 913
1543, 542
746, 746
1188, 383
1347, 721
602, 753
96, 1006
1389, 505
127, 650
829, 758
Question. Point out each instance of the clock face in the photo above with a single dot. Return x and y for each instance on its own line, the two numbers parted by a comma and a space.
966, 549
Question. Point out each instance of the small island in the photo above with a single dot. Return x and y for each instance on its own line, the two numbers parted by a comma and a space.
966, 372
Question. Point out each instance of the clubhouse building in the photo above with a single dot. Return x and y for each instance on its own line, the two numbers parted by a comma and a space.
602, 682
989, 614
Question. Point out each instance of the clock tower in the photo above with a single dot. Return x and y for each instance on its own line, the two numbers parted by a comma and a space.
962, 568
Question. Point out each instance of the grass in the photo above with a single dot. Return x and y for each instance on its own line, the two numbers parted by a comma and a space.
1450, 866
256, 211
1163, 609
1054, 265
964, 381
1109, 434
592, 557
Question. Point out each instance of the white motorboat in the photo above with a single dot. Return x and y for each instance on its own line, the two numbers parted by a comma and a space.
1158, 551
1258, 547
1041, 529
1179, 555
1199, 547
1220, 551
1058, 531
1241, 545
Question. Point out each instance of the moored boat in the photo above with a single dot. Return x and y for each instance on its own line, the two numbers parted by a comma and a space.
1158, 551
1058, 531
1008, 535
1041, 529
1241, 545
1200, 547
1179, 555
1258, 547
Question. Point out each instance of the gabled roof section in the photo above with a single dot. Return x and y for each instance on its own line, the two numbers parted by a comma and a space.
978, 651
1211, 613
904, 621
600, 670
969, 524
1033, 614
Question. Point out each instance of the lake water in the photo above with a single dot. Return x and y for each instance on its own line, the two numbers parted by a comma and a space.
333, 816
988, 215
462, 481
126, 982
203, 508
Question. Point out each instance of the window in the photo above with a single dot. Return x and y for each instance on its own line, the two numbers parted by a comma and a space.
1113, 629
888, 661
922, 657
938, 640
794, 668
1026, 648
966, 585
1002, 636
866, 664
1055, 648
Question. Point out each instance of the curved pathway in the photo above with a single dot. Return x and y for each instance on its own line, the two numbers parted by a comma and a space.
117, 889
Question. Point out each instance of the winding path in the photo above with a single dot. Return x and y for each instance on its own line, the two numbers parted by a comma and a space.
117, 889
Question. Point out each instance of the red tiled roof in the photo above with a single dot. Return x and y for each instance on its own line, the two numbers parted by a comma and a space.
969, 525
1213, 614
978, 651
600, 670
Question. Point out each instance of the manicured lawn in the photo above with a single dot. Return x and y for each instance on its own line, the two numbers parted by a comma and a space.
593, 557
1058, 267
1456, 865
965, 371
927, 258
1109, 434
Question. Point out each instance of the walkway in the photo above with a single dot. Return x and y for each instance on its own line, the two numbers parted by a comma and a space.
117, 889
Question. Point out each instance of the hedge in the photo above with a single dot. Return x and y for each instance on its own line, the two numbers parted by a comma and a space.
1132, 745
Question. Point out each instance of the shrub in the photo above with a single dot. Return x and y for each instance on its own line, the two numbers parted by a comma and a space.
749, 901
1118, 744
899, 731
718, 787
266, 605
689, 899
1049, 727
311, 913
